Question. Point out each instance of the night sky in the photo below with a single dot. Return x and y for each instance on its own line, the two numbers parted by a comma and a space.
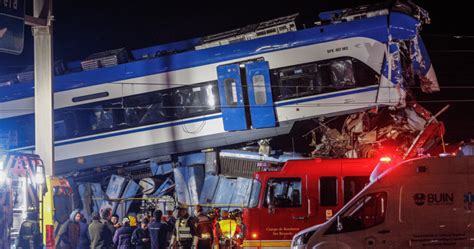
85, 27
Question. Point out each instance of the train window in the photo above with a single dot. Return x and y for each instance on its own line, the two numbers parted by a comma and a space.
283, 192
259, 89
194, 100
101, 118
299, 81
353, 185
367, 212
364, 75
145, 109
328, 191
65, 124
17, 132
230, 89
342, 74
136, 110
321, 77
211, 96
180, 104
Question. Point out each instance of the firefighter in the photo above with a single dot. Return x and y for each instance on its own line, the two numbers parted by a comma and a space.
184, 234
214, 215
204, 228
226, 228
29, 236
240, 230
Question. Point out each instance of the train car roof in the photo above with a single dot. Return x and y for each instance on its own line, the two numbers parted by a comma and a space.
401, 26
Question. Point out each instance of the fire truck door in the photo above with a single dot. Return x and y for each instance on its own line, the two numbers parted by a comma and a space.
287, 209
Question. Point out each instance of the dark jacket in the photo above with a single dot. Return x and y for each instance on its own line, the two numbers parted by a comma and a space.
137, 238
84, 241
158, 234
29, 236
69, 233
123, 237
109, 225
100, 236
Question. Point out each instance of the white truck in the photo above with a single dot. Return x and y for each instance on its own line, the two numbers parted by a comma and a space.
419, 203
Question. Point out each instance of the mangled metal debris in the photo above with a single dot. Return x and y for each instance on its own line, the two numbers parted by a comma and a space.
364, 134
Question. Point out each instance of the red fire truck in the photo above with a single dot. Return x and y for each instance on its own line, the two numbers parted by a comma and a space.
301, 194
308, 192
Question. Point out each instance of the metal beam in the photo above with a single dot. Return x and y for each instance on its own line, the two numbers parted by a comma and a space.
44, 97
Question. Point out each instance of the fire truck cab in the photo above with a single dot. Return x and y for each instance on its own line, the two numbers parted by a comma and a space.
303, 193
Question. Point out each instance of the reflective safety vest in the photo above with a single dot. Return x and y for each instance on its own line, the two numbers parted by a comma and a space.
228, 227
183, 231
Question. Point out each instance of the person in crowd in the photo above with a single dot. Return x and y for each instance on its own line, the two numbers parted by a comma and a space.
99, 234
84, 241
29, 236
123, 236
158, 231
132, 217
105, 216
170, 219
141, 235
214, 214
69, 234
226, 229
204, 228
184, 234
241, 229
115, 221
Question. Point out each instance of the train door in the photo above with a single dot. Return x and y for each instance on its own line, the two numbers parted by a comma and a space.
246, 95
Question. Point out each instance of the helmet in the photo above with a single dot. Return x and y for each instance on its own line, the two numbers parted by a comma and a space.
211, 213
236, 213
225, 214
217, 211
182, 207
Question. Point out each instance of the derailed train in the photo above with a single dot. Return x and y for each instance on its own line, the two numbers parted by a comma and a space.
234, 87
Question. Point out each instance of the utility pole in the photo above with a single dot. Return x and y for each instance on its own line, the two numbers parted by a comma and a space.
42, 28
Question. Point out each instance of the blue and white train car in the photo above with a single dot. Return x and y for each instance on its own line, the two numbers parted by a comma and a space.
215, 94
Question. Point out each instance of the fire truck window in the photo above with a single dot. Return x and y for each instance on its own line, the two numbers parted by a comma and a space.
353, 185
328, 191
367, 212
283, 193
256, 186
